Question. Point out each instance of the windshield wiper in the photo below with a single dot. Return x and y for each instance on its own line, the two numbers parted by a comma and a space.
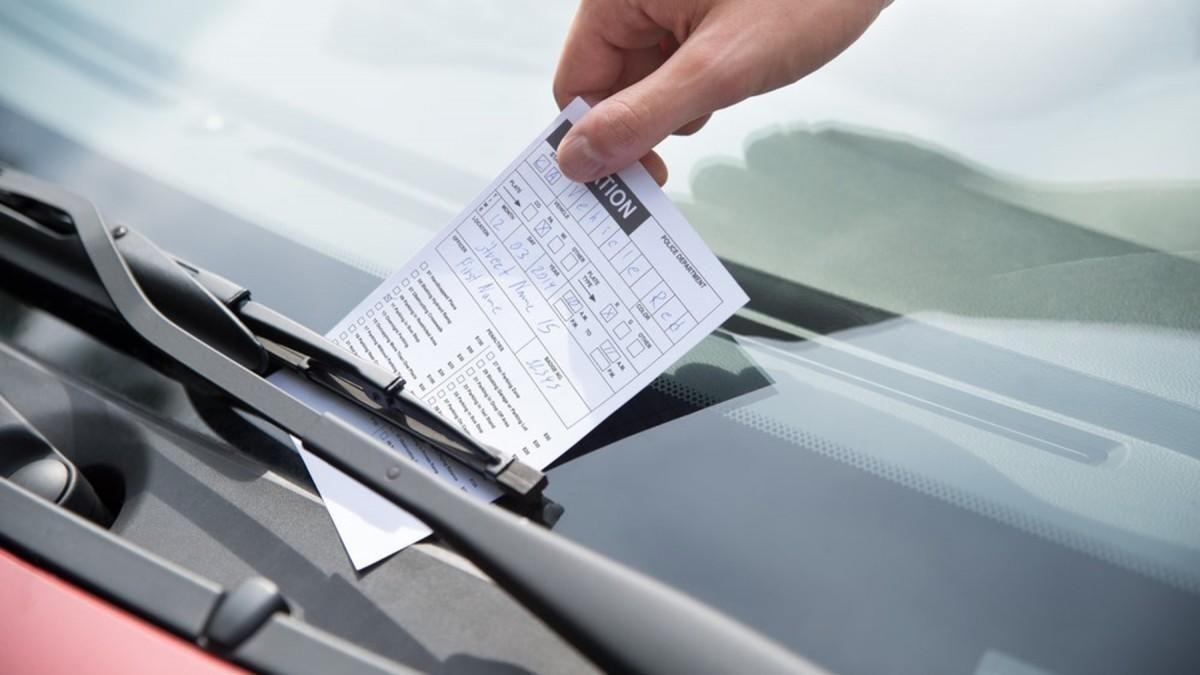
222, 314
622, 620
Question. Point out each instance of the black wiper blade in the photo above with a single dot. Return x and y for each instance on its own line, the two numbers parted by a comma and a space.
622, 620
382, 393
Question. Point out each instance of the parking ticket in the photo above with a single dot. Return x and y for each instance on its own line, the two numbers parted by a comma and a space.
536, 313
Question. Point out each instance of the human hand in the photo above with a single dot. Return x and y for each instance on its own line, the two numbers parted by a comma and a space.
656, 67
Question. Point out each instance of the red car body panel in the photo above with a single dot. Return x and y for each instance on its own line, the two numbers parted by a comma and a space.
50, 626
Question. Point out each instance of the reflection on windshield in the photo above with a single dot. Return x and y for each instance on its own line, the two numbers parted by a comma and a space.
260, 155
901, 226
1097, 490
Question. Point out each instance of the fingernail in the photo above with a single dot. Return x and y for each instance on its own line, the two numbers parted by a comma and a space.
579, 161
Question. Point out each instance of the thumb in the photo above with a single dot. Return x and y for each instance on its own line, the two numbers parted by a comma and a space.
625, 126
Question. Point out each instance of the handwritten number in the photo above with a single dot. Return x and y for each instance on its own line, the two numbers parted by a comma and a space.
518, 248
542, 373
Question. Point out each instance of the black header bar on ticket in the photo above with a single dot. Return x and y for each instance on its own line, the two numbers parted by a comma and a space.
556, 136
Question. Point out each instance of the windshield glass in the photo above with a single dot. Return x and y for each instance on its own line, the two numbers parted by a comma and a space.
972, 247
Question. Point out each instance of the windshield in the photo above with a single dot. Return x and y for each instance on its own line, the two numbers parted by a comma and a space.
972, 247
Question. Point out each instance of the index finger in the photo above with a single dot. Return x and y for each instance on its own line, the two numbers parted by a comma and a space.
588, 67
593, 58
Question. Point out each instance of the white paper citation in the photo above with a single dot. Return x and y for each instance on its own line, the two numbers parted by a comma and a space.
536, 313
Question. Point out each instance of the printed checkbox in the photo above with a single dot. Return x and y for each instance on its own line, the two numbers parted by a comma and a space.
479, 363
361, 320
451, 386
379, 305
370, 313
542, 229
572, 301
648, 282
431, 400
568, 263
555, 244
592, 219
635, 270
441, 393
396, 290
584, 206
343, 335
599, 358
353, 328
626, 256
603, 232
621, 330
404, 283
634, 348
491, 356
610, 350
658, 296
614, 244
424, 265
576, 191
461, 378
608, 313
671, 315
529, 212
470, 372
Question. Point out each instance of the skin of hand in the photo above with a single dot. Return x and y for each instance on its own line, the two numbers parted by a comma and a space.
656, 67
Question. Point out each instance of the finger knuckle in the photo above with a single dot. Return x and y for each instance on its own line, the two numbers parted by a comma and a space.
720, 71
622, 123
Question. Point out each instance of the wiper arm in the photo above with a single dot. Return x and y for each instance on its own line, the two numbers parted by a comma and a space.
258, 338
622, 620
